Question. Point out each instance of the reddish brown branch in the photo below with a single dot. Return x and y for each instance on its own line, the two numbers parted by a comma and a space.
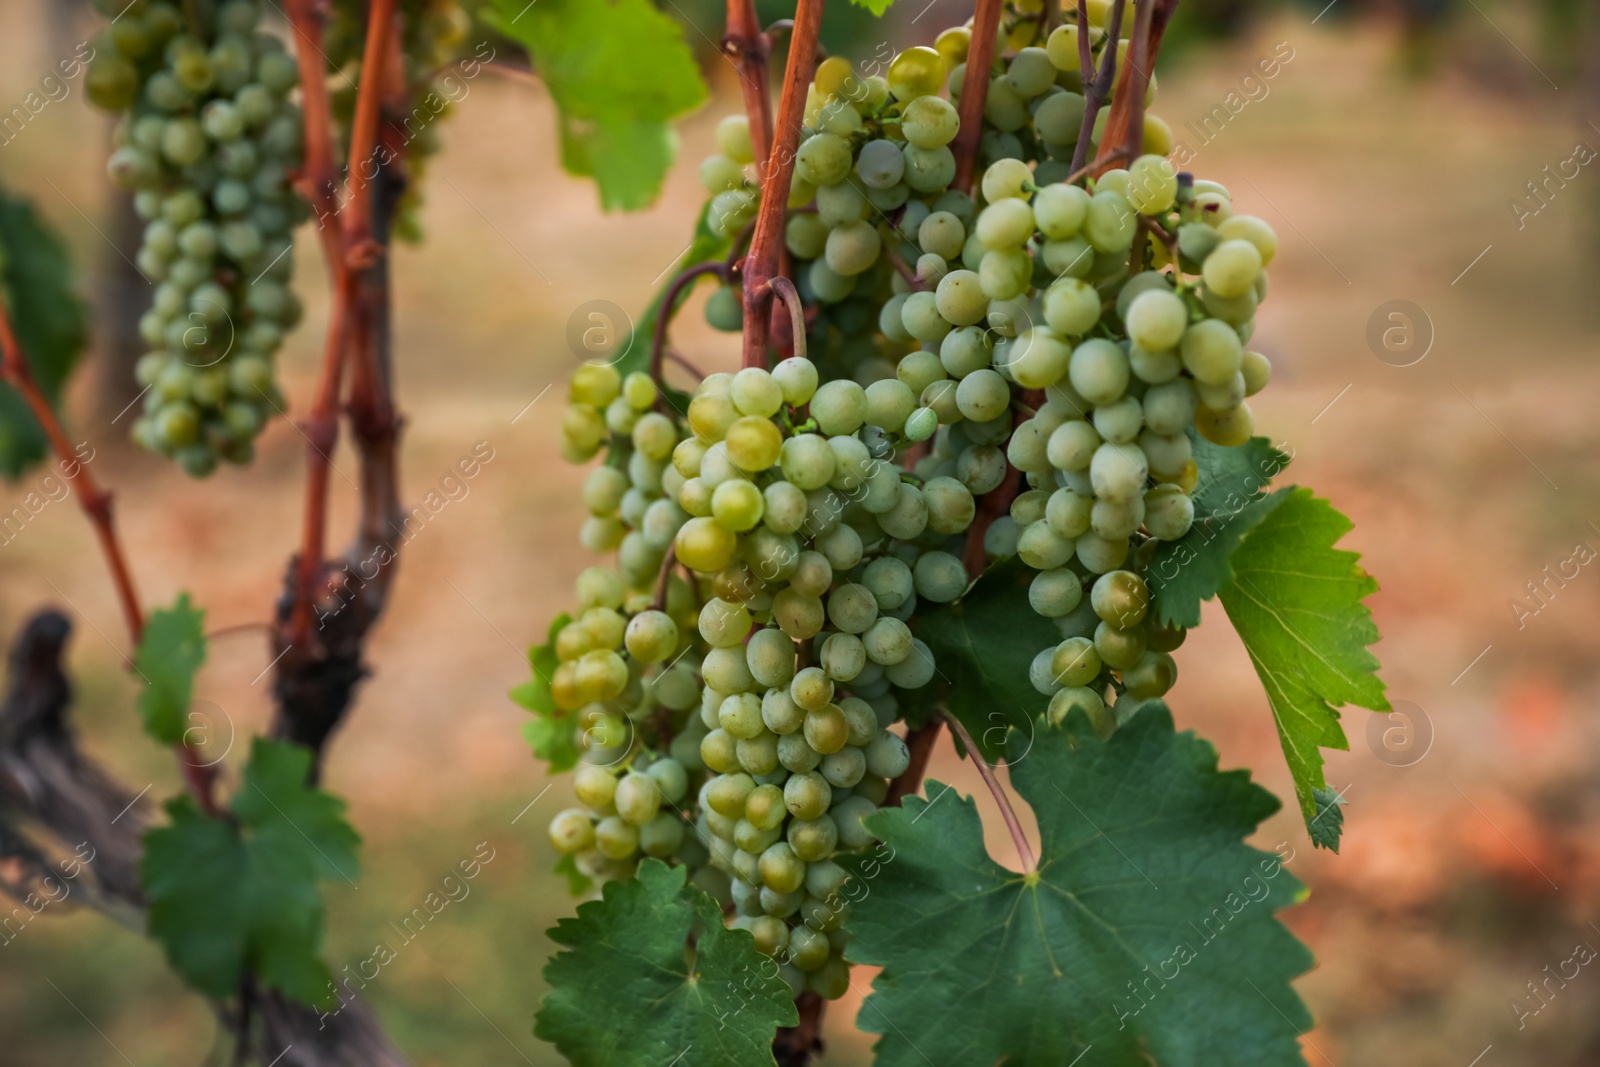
95, 501
374, 86
975, 90
766, 245
348, 251
1125, 124
319, 182
1096, 89
1007, 812
1085, 46
96, 504
1135, 83
747, 47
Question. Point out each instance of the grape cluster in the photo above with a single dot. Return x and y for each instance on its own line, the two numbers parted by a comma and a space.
1044, 346
207, 143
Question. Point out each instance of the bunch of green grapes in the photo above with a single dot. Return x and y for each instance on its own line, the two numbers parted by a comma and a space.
431, 35
208, 140
1048, 346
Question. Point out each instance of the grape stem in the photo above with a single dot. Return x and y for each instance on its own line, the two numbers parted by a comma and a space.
1007, 812
669, 306
1125, 124
1097, 88
784, 289
1120, 155
904, 271
1085, 49
975, 90
762, 263
665, 579
677, 357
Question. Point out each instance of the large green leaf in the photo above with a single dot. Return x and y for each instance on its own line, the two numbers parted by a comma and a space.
619, 71
626, 994
230, 895
982, 646
170, 652
1296, 602
1229, 499
47, 317
1147, 935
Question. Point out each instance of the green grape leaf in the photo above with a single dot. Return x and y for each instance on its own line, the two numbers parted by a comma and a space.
1148, 932
983, 645
578, 883
627, 158
704, 247
550, 732
877, 7
619, 71
1229, 500
170, 652
623, 994
1295, 601
1328, 823
227, 896
47, 317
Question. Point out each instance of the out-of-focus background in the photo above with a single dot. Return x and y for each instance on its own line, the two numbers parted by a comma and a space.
1388, 156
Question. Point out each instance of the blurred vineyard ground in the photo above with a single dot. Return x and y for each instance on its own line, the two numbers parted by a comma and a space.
1464, 875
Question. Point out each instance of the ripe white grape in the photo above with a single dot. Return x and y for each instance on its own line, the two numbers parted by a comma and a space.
1099, 371
1211, 351
1005, 224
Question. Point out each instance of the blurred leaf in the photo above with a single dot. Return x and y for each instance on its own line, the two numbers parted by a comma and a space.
983, 645
170, 652
226, 896
47, 317
704, 247
619, 71
1229, 500
1328, 824
877, 7
1148, 931
1296, 602
551, 731
624, 993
